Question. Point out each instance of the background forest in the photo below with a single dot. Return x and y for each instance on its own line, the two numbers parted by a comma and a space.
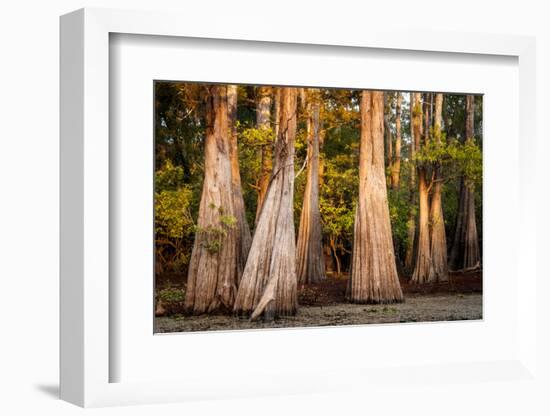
442, 158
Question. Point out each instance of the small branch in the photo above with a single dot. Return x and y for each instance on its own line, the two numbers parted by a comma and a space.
165, 242
302, 168
432, 181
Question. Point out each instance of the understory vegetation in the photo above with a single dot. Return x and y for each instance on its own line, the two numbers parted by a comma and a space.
370, 182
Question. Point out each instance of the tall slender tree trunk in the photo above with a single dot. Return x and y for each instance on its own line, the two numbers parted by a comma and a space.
472, 259
423, 269
458, 238
269, 286
387, 134
328, 258
396, 165
465, 254
263, 123
244, 239
213, 271
310, 267
438, 239
416, 129
374, 274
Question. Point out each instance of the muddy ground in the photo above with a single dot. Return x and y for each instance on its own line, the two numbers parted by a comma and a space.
325, 304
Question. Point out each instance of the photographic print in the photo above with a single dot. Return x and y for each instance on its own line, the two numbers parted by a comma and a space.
280, 207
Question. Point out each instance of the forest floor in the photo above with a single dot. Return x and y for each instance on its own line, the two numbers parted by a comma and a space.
324, 304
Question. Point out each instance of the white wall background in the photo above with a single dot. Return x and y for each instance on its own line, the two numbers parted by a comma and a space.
29, 115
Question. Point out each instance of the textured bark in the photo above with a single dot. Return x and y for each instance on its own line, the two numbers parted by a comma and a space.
396, 165
465, 254
213, 273
374, 275
416, 129
387, 134
268, 285
423, 269
244, 239
438, 239
310, 267
263, 115
427, 113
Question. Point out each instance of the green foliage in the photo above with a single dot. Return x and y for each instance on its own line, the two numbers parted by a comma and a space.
399, 206
171, 295
172, 215
459, 159
228, 221
174, 226
215, 234
253, 136
250, 141
172, 300
172, 202
169, 177
470, 160
338, 197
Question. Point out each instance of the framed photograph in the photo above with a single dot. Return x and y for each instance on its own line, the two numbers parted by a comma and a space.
235, 209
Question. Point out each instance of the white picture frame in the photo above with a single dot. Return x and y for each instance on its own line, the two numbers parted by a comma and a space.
85, 165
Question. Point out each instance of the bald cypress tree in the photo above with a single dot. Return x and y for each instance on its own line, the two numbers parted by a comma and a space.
465, 254
396, 164
423, 269
213, 268
415, 130
438, 239
374, 276
309, 251
268, 286
244, 239
263, 123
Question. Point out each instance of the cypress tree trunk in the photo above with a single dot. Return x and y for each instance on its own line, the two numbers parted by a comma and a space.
268, 285
310, 267
411, 222
387, 134
263, 115
374, 275
396, 165
437, 236
244, 239
472, 258
328, 258
458, 238
465, 253
213, 275
423, 269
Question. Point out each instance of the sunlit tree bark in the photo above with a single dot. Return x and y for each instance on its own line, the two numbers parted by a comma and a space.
268, 286
438, 238
310, 265
388, 134
263, 123
423, 269
213, 272
373, 275
396, 164
416, 128
244, 239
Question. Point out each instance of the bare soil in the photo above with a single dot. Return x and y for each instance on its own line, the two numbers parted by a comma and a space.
324, 304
